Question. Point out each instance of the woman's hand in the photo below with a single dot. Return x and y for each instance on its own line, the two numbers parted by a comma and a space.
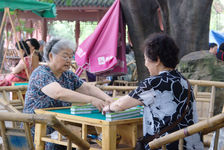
99, 104
11, 69
106, 109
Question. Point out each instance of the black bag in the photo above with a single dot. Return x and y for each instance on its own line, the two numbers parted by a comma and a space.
140, 144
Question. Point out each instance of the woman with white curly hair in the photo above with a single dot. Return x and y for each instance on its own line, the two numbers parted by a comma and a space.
54, 85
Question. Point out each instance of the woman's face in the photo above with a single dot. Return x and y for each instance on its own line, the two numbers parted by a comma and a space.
61, 61
152, 66
32, 49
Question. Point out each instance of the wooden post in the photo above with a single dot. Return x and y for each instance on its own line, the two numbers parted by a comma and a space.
77, 32
84, 132
40, 131
216, 140
44, 29
181, 144
29, 136
69, 145
3, 134
211, 109
134, 134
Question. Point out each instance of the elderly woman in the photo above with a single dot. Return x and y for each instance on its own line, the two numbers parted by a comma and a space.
53, 85
164, 94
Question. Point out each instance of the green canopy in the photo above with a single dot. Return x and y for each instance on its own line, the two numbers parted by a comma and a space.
42, 9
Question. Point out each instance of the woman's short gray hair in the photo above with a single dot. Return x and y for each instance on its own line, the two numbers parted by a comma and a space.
57, 45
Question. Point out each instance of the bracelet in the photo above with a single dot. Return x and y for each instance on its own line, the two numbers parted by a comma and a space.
186, 133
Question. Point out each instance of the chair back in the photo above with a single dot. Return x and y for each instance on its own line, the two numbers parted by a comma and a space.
13, 95
117, 90
204, 92
205, 126
11, 137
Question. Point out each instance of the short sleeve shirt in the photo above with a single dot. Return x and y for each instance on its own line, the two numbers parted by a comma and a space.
42, 76
164, 97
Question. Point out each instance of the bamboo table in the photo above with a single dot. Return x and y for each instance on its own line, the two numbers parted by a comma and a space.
129, 129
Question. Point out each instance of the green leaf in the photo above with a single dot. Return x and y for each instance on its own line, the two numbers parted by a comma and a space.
18, 28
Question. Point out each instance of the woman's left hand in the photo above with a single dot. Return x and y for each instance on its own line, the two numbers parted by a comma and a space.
106, 109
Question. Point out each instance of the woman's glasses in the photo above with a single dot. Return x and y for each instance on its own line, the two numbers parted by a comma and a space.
65, 58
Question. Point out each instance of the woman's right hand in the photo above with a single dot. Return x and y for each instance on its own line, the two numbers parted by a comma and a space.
99, 104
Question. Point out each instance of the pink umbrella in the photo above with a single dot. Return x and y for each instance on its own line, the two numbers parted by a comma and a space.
103, 52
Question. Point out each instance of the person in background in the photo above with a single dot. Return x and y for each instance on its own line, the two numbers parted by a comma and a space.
35, 53
131, 65
18, 73
164, 93
213, 48
54, 85
220, 53
41, 49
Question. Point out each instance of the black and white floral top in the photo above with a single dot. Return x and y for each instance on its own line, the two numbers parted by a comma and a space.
164, 97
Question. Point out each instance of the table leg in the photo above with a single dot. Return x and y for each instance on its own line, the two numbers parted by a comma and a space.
40, 131
84, 132
134, 134
109, 136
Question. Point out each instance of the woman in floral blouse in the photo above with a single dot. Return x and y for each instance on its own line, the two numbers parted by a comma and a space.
53, 85
164, 93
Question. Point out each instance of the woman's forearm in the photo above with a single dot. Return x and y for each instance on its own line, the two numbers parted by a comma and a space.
94, 91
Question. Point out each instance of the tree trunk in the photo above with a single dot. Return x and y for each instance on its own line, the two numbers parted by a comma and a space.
142, 20
187, 21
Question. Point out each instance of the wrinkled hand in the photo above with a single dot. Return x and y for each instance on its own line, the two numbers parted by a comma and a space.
106, 109
99, 104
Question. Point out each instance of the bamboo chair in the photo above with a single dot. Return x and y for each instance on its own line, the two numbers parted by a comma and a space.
118, 90
205, 126
25, 134
16, 104
124, 83
205, 101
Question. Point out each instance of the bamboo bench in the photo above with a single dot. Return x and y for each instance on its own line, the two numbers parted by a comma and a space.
206, 126
25, 134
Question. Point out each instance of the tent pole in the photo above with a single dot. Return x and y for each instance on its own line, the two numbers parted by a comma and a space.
3, 21
1, 31
14, 30
5, 53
